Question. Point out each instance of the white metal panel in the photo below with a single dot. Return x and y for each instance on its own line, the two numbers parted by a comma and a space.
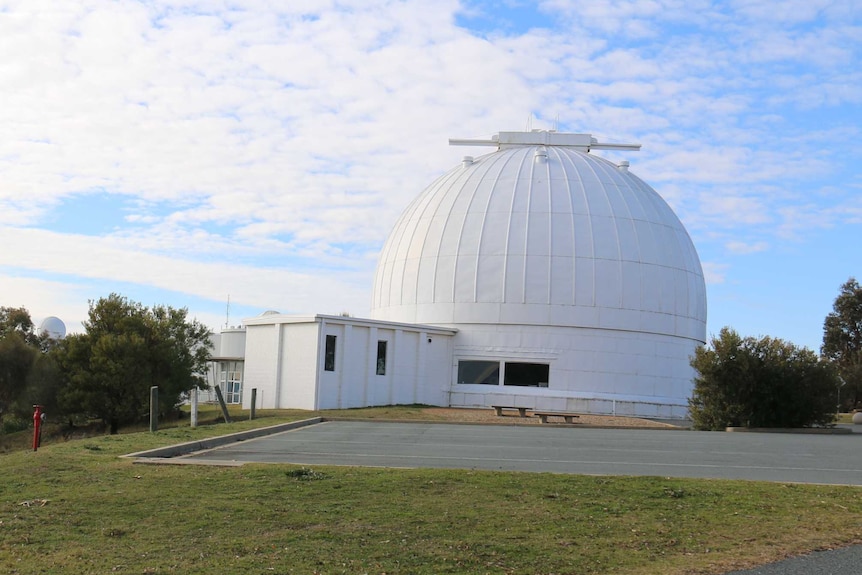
410, 279
605, 240
585, 283
608, 283
537, 273
490, 269
231, 343
299, 366
465, 277
513, 288
539, 234
260, 365
444, 280
494, 234
632, 275
358, 348
561, 283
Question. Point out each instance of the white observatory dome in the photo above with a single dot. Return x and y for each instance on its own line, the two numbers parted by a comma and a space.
541, 250
53, 327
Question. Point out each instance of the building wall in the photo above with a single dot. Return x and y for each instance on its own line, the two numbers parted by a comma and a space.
281, 363
416, 366
286, 362
591, 370
262, 352
298, 376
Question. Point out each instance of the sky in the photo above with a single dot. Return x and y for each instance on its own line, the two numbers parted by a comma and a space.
198, 152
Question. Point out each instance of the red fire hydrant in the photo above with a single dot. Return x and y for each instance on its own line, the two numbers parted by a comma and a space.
38, 417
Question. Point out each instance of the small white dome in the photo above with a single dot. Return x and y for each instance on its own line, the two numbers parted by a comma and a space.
53, 327
543, 235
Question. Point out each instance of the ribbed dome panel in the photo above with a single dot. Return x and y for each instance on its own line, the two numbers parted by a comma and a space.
570, 240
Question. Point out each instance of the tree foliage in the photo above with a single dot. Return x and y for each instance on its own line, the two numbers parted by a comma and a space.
17, 320
126, 349
748, 382
842, 339
19, 348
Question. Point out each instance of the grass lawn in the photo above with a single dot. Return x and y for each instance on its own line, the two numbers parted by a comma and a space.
76, 507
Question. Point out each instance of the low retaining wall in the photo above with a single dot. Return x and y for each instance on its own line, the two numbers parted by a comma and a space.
201, 444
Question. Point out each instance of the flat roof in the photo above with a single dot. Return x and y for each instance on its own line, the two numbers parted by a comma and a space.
272, 319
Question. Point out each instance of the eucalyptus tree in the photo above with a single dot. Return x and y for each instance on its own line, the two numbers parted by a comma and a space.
19, 349
842, 340
126, 349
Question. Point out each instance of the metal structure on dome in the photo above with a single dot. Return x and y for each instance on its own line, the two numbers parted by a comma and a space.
580, 142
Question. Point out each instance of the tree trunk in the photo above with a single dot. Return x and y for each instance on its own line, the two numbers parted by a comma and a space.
115, 427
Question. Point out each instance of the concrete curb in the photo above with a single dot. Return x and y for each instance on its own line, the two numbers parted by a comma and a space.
212, 442
516, 421
811, 430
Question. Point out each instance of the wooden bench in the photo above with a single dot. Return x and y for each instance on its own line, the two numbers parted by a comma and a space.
522, 411
544, 415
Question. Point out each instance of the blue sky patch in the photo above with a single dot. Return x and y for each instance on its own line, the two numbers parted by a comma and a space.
502, 18
92, 214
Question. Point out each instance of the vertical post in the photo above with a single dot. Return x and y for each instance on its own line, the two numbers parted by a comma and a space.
154, 408
37, 426
251, 413
194, 418
222, 404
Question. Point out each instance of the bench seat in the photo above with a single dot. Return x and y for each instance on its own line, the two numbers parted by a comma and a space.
522, 411
544, 415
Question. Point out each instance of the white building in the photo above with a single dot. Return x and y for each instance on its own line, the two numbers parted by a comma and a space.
227, 365
538, 275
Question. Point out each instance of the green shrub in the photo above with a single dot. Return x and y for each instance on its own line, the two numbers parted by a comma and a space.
748, 382
13, 425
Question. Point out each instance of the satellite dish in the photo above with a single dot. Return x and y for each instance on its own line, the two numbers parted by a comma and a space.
53, 327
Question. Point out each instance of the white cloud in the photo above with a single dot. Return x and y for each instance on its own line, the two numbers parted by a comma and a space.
746, 248
93, 258
714, 273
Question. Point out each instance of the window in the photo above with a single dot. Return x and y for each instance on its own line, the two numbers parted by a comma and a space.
526, 374
515, 373
230, 381
481, 372
329, 355
381, 358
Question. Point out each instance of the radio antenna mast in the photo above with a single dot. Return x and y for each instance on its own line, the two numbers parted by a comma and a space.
227, 313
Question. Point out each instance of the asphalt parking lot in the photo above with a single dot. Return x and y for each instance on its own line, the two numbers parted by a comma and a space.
792, 458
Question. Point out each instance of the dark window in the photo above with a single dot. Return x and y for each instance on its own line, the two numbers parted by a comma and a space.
527, 374
329, 356
381, 358
482, 372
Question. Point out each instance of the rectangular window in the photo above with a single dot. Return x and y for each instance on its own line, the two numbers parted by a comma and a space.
381, 358
481, 372
527, 374
230, 381
329, 356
